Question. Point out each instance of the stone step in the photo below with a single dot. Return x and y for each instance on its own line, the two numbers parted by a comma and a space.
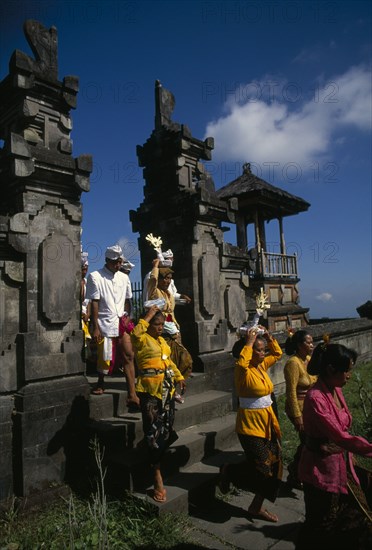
202, 407
204, 423
116, 386
125, 431
117, 434
208, 438
195, 484
126, 458
197, 408
193, 445
114, 401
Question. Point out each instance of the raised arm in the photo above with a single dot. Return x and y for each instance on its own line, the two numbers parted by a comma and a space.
152, 283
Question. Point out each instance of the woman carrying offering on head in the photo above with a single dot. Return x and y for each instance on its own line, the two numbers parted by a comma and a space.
156, 382
159, 286
256, 425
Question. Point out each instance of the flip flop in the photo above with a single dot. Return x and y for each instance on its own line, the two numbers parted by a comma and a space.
264, 515
98, 391
159, 495
178, 398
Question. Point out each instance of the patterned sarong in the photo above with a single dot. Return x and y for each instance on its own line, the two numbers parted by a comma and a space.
158, 420
262, 470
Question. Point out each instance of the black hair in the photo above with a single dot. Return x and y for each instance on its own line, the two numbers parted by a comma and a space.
335, 355
157, 314
293, 342
239, 345
259, 337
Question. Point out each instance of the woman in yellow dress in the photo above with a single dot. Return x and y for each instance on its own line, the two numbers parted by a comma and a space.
155, 386
299, 345
256, 425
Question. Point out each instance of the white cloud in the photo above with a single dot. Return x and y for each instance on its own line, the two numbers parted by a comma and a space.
324, 297
309, 55
286, 127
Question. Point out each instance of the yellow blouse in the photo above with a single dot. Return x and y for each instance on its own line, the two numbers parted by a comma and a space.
296, 379
151, 353
253, 381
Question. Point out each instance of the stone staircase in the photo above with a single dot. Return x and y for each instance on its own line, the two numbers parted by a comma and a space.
205, 426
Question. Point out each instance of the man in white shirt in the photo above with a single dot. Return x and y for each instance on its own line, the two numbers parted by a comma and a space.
109, 291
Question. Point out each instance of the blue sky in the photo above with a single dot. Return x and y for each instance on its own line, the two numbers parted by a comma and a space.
283, 85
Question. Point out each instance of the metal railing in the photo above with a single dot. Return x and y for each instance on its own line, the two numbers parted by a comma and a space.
137, 300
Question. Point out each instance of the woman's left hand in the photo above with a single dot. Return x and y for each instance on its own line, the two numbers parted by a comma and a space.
298, 423
330, 449
266, 334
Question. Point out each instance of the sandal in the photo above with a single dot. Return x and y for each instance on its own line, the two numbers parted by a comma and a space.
264, 515
98, 391
178, 398
159, 495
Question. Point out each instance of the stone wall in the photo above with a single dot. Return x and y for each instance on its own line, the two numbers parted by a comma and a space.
352, 333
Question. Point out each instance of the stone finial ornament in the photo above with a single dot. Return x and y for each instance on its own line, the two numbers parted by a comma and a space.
44, 45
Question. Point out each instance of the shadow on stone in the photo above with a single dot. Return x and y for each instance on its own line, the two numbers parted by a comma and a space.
75, 439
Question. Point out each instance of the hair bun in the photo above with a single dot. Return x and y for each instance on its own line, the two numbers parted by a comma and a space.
326, 339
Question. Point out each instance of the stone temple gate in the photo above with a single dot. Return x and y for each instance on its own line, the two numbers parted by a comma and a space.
41, 370
182, 206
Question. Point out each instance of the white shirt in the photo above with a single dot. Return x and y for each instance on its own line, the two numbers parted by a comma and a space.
85, 302
111, 289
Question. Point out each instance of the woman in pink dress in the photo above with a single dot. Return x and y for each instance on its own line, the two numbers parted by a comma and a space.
336, 510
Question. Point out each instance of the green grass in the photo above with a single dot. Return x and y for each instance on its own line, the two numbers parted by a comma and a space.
92, 523
358, 395
72, 524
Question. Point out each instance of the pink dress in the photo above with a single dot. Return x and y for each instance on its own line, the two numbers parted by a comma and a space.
325, 422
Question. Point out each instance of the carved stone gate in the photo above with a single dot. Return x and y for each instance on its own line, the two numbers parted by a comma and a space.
41, 370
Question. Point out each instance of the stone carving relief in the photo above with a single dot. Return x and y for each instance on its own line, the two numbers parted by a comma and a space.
235, 305
209, 285
59, 260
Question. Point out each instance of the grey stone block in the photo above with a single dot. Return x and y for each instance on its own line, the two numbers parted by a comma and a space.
6, 471
8, 370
